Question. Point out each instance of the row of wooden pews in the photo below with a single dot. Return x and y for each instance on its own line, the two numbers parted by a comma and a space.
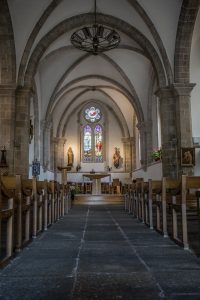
27, 207
170, 206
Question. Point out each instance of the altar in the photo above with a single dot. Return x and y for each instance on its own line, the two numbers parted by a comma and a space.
96, 181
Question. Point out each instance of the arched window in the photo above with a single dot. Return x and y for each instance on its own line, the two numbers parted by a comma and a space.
98, 140
93, 136
87, 143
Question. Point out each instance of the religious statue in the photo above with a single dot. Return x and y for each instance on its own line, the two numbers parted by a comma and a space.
116, 158
98, 148
70, 157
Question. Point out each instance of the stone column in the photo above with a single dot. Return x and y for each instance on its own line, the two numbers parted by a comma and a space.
60, 151
128, 143
182, 94
134, 142
22, 122
45, 131
7, 112
176, 129
149, 141
142, 126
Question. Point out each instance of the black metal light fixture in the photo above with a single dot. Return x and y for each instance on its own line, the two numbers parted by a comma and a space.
96, 38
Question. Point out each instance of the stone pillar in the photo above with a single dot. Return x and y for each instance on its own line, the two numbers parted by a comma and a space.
7, 112
128, 143
168, 131
134, 142
55, 150
45, 131
22, 122
142, 126
182, 94
149, 141
60, 151
175, 127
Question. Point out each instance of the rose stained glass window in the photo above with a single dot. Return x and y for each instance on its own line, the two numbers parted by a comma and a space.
92, 114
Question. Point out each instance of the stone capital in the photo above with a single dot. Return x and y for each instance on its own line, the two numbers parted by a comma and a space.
24, 91
62, 140
142, 126
181, 89
7, 90
46, 125
125, 140
165, 92
174, 90
55, 140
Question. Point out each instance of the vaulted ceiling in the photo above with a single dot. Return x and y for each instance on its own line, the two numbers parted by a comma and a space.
66, 77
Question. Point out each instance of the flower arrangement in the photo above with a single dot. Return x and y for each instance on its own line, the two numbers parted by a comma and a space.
156, 154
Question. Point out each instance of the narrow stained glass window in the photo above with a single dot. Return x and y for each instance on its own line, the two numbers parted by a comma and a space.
87, 143
98, 141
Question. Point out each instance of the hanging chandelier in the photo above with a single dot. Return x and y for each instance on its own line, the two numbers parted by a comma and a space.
96, 38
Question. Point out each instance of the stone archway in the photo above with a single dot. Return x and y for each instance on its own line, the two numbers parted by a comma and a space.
7, 83
185, 29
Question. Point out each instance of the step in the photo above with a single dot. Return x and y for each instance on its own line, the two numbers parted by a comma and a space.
98, 199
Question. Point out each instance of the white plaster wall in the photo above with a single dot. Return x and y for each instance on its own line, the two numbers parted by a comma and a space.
153, 171
24, 15
95, 65
75, 104
164, 14
50, 71
125, 106
136, 68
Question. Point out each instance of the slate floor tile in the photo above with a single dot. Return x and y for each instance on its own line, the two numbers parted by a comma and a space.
138, 286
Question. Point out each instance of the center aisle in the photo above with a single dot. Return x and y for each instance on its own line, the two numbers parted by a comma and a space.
100, 252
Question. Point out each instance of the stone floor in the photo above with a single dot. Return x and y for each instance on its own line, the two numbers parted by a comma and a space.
100, 252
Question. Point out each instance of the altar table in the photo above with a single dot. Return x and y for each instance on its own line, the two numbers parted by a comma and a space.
96, 181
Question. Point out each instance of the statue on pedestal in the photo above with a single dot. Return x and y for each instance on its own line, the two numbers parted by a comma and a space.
70, 157
116, 158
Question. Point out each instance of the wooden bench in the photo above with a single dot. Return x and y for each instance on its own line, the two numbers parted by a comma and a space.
6, 223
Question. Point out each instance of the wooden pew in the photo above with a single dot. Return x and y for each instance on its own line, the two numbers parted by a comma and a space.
155, 188
170, 192
146, 203
126, 188
13, 185
139, 199
6, 223
190, 200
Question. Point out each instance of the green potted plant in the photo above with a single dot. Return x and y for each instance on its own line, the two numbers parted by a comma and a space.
156, 154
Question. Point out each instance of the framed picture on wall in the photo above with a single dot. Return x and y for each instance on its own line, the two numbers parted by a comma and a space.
187, 157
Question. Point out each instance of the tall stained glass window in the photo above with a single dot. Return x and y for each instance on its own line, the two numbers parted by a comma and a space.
93, 141
87, 143
98, 140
